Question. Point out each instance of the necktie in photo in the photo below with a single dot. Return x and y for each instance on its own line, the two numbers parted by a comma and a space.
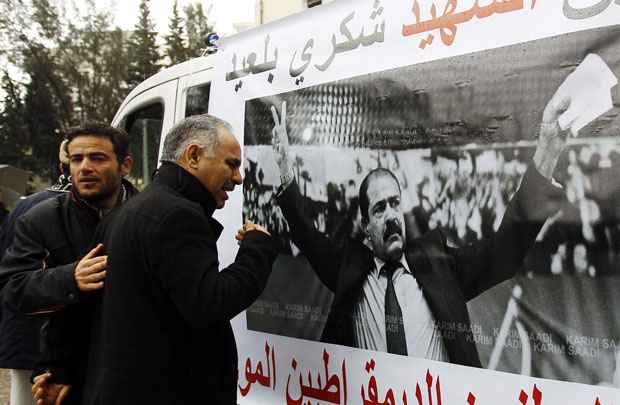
394, 327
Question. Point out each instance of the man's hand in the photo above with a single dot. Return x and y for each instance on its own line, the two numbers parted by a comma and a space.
46, 393
551, 140
90, 271
280, 144
249, 227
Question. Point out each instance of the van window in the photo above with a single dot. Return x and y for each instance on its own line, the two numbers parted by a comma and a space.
197, 100
144, 129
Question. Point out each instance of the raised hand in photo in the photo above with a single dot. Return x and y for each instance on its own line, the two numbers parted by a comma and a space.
281, 147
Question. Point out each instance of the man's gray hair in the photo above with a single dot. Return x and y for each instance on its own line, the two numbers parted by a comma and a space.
202, 130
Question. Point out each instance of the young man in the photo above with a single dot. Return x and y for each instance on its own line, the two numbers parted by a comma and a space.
48, 269
19, 333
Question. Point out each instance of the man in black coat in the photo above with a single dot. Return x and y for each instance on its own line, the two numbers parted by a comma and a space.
406, 296
48, 269
165, 335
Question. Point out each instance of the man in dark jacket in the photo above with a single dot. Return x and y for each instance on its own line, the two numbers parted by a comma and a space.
408, 296
165, 328
19, 333
48, 269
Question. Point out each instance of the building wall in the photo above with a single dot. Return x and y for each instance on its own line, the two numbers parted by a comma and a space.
270, 10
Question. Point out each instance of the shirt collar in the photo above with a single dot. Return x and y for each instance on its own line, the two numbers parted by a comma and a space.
380, 263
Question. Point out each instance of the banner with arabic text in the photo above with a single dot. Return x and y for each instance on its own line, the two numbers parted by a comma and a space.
412, 132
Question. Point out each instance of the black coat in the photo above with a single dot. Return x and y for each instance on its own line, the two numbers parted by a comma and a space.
449, 277
165, 335
37, 270
19, 333
37, 276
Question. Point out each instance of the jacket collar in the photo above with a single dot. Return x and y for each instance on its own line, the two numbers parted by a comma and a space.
174, 176
127, 191
380, 263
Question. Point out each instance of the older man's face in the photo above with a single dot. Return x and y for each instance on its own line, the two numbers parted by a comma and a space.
220, 173
385, 227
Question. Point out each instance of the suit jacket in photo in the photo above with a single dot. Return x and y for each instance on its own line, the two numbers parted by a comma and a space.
448, 276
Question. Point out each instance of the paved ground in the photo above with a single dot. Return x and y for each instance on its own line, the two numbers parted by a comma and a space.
4, 386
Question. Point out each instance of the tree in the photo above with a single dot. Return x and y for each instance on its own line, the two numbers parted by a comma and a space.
48, 19
74, 70
33, 49
93, 58
34, 108
14, 17
176, 50
43, 126
144, 61
116, 61
47, 107
13, 131
197, 26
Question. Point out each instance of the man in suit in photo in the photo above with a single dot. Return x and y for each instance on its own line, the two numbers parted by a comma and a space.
408, 296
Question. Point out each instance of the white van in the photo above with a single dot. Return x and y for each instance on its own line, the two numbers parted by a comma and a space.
153, 107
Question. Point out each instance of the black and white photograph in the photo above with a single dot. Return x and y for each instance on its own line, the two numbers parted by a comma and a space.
464, 210
309, 202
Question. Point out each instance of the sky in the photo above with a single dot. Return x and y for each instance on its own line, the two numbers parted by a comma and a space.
224, 13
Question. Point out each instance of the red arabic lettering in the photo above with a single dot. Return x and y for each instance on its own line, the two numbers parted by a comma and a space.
252, 377
536, 396
448, 22
329, 392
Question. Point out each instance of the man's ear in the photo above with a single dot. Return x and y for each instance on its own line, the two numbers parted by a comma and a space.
192, 155
126, 165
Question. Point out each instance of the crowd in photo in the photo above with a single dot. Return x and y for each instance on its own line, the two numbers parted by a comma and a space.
466, 194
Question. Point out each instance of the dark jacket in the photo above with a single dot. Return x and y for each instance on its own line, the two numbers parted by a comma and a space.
19, 333
37, 270
7, 229
449, 277
165, 324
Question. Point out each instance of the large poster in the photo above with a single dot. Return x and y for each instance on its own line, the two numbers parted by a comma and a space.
394, 150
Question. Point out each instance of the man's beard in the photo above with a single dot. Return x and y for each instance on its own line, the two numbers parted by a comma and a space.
110, 185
